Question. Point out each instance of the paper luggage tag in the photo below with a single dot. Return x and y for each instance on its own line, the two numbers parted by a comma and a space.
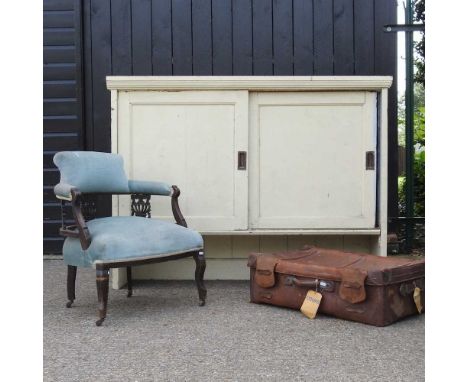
311, 303
417, 299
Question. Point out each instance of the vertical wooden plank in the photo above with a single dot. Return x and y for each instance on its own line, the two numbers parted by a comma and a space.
283, 37
303, 37
222, 37
201, 31
101, 55
162, 37
323, 37
78, 9
141, 37
385, 43
121, 37
262, 37
218, 247
363, 37
330, 242
242, 37
386, 64
273, 243
88, 76
242, 246
296, 242
101, 67
354, 243
182, 37
343, 39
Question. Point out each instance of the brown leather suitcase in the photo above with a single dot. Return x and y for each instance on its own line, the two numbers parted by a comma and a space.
354, 286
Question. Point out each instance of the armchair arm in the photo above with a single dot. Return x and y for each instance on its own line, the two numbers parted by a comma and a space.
79, 230
148, 187
63, 191
179, 218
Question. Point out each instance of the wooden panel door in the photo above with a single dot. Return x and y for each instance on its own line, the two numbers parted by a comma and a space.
308, 160
190, 139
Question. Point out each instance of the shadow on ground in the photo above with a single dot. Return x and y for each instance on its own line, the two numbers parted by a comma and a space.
161, 334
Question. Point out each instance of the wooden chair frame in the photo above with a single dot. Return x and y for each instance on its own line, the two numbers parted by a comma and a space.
84, 208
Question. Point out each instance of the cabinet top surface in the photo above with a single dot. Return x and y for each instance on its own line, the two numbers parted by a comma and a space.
252, 83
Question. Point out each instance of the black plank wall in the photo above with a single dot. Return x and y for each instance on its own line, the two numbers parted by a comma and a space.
233, 37
62, 107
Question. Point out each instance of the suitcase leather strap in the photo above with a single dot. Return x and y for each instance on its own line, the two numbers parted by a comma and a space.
352, 288
265, 267
265, 271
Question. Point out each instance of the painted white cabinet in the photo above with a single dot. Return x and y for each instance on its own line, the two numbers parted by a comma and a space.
314, 150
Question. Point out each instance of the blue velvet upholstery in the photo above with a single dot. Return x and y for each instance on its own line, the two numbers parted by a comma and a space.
89, 171
124, 238
146, 187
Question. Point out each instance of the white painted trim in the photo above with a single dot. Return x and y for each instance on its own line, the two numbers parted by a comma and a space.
381, 244
118, 275
114, 141
273, 232
251, 83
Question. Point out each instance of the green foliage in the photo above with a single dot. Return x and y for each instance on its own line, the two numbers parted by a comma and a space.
420, 47
418, 165
419, 101
419, 128
419, 186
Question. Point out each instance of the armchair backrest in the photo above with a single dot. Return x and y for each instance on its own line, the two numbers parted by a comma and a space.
89, 172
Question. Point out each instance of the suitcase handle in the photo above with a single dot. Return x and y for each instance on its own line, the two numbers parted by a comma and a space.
328, 286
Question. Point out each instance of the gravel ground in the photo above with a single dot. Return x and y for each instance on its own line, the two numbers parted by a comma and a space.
160, 334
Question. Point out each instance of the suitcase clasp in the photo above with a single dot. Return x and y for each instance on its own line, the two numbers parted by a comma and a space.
327, 286
407, 289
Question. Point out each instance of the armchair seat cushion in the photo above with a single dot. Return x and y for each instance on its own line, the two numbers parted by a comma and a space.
127, 238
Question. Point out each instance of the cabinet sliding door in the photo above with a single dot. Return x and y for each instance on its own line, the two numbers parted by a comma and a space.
190, 139
312, 160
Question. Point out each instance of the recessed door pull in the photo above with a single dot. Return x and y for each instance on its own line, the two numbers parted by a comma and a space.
242, 160
370, 160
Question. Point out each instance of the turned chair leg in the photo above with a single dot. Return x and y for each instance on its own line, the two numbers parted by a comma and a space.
129, 282
71, 277
199, 258
102, 284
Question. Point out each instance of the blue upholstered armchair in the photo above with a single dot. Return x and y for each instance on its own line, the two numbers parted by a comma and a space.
118, 241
